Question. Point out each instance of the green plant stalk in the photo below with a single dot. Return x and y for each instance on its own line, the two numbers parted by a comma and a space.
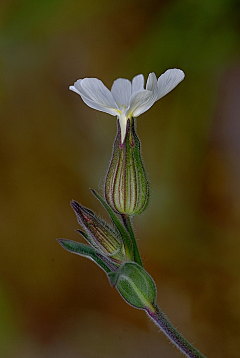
128, 225
154, 311
175, 337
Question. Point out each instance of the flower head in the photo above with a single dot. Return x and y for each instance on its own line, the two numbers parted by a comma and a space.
127, 99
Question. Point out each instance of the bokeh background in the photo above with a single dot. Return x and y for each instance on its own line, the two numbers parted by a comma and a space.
53, 148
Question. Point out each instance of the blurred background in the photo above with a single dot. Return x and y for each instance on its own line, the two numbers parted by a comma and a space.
53, 148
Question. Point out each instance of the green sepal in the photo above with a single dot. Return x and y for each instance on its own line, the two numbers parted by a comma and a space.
84, 250
126, 239
135, 285
86, 237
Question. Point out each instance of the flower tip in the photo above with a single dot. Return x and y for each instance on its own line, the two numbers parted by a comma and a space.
61, 242
179, 74
75, 205
73, 88
92, 191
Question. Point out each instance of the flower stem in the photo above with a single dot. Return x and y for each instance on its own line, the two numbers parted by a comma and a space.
127, 223
175, 337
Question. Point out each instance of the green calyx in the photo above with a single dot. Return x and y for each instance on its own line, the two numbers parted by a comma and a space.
126, 184
135, 285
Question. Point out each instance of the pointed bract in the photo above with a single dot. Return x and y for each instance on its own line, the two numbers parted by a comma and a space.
87, 251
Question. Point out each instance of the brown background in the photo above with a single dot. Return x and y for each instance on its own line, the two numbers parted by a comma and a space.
53, 148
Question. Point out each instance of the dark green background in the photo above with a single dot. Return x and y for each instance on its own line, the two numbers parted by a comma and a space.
53, 148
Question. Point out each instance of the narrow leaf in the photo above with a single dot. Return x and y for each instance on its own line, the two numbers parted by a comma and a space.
86, 237
86, 251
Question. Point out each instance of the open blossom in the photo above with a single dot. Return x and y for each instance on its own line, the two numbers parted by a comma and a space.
127, 99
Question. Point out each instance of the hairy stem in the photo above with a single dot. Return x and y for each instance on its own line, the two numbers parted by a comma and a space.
127, 223
175, 337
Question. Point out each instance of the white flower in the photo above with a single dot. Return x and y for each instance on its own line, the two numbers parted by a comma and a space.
127, 99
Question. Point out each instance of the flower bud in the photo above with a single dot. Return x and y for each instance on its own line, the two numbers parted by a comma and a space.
100, 234
126, 184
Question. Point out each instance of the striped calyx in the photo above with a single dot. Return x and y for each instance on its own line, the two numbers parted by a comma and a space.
126, 184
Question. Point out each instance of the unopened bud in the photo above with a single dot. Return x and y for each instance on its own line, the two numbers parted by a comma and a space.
126, 184
100, 234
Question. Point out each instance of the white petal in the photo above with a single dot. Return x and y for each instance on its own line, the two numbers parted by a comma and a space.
94, 105
140, 102
121, 91
78, 89
72, 88
137, 83
152, 82
123, 126
87, 97
168, 81
97, 92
